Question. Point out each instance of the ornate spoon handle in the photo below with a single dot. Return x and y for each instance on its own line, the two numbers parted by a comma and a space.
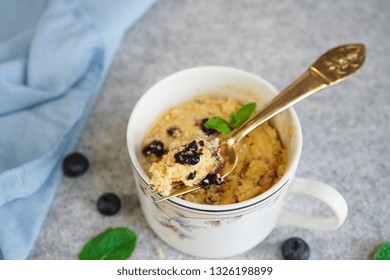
332, 67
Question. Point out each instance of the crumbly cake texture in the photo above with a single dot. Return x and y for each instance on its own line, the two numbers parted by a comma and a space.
188, 163
262, 158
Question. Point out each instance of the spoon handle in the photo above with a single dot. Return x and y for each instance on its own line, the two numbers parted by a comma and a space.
334, 66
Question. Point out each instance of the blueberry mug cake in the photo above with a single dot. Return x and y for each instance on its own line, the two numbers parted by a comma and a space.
179, 146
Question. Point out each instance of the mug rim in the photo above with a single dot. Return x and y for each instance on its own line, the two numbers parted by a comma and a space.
225, 208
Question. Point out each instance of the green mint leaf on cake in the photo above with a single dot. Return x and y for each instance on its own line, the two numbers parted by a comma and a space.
111, 244
236, 119
218, 124
383, 253
242, 115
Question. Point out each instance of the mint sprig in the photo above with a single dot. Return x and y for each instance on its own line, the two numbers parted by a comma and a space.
242, 115
111, 244
235, 119
218, 124
383, 253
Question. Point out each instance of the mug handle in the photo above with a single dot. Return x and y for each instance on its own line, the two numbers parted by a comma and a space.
322, 192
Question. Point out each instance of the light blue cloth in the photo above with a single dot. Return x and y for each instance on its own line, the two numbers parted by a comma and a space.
53, 58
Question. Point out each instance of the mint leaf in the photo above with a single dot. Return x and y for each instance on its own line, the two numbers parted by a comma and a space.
242, 115
111, 244
236, 119
218, 124
383, 253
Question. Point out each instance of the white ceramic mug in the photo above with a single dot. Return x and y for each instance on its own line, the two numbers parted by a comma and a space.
216, 231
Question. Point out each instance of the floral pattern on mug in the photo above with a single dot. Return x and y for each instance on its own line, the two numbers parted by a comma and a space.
174, 228
183, 226
218, 223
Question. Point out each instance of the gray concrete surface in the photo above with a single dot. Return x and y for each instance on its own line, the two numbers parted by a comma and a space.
346, 129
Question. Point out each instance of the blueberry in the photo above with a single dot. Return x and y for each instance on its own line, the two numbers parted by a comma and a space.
295, 248
211, 179
108, 204
191, 176
192, 146
172, 131
189, 159
189, 155
155, 147
75, 164
207, 131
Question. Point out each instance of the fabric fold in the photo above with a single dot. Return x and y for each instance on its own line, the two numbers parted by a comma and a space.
48, 87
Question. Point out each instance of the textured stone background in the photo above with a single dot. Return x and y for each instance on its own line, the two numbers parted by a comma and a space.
345, 129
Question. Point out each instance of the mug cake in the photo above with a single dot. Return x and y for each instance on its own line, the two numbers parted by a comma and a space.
177, 147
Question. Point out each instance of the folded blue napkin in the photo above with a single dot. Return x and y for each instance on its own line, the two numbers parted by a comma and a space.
54, 56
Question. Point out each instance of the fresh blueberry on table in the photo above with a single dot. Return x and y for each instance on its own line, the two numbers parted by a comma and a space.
108, 204
75, 164
295, 248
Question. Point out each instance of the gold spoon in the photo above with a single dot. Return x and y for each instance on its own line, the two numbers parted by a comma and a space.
332, 67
